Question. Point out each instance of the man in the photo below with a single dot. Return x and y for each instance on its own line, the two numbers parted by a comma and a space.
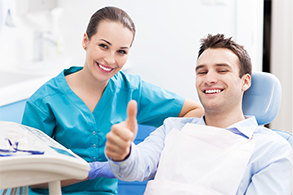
223, 152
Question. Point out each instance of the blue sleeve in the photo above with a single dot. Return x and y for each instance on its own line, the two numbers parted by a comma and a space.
35, 117
156, 104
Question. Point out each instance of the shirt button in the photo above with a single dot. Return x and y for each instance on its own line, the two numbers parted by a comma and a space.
94, 145
94, 158
94, 133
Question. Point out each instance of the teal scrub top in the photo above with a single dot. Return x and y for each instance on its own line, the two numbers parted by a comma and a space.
56, 110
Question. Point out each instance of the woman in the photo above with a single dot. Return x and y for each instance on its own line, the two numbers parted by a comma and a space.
78, 107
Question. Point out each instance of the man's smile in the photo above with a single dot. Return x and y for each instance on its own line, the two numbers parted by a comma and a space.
213, 91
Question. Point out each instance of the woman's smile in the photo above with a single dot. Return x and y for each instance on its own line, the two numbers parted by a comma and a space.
104, 68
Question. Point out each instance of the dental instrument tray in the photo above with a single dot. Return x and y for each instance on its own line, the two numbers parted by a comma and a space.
28, 156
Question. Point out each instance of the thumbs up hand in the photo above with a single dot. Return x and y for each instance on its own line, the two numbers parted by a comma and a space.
131, 117
120, 137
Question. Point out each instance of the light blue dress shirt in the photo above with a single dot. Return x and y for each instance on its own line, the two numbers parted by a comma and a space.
60, 113
267, 173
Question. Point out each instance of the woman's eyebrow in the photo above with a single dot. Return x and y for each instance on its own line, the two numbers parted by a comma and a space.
111, 44
106, 41
124, 48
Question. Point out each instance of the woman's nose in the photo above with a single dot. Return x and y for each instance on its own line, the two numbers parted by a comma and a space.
110, 57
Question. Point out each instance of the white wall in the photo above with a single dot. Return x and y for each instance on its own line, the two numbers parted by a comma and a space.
282, 59
168, 33
16, 43
167, 40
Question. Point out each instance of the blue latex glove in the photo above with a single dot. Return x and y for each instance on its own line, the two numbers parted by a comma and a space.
100, 169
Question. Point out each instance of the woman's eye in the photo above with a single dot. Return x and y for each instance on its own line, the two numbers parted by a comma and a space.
122, 51
103, 46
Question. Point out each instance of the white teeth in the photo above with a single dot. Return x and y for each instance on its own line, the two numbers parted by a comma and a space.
213, 91
104, 68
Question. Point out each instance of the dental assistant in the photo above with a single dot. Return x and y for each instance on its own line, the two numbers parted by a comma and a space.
78, 107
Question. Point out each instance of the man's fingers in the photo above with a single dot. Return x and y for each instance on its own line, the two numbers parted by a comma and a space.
115, 156
131, 116
118, 142
120, 137
122, 131
117, 153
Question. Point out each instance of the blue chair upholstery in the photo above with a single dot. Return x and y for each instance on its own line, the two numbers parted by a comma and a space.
263, 100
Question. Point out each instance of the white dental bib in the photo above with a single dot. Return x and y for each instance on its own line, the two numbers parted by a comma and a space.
201, 160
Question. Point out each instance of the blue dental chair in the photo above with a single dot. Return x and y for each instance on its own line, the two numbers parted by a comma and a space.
263, 100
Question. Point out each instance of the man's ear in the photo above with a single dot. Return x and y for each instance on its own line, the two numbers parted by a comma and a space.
85, 41
246, 82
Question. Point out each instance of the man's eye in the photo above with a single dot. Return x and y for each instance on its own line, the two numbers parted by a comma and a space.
103, 46
222, 71
201, 72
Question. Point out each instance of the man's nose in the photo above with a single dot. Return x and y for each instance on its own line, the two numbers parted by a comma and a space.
211, 77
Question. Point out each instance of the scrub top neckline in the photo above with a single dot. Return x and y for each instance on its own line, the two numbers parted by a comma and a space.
75, 99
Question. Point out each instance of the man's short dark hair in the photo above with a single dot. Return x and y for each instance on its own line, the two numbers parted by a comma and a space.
219, 41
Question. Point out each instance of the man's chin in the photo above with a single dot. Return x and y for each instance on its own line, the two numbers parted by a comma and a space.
212, 108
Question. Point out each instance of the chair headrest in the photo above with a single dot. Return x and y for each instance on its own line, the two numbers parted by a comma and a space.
263, 98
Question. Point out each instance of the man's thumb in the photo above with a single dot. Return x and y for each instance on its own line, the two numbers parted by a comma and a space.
131, 113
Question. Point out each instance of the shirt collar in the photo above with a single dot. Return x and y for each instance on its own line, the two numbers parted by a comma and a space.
246, 127
201, 121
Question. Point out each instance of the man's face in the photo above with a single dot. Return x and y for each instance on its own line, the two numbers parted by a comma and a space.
218, 84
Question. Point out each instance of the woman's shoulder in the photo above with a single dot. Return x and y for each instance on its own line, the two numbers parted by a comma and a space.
52, 86
124, 80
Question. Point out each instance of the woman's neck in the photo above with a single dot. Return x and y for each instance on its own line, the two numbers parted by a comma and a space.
86, 87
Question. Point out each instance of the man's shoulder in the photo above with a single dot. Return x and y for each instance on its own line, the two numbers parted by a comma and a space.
270, 138
266, 132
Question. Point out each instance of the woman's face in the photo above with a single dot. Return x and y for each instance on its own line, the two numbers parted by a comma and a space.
107, 50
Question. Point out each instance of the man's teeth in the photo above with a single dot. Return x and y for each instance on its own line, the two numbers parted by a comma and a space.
104, 68
213, 91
